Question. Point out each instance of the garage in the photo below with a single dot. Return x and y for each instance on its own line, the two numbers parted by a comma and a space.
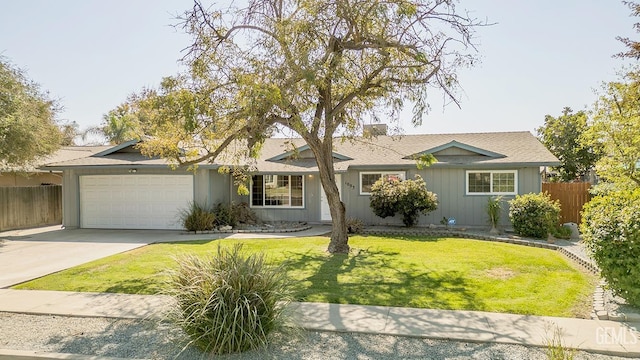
133, 201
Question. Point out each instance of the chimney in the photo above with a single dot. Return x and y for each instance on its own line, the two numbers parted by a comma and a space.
374, 129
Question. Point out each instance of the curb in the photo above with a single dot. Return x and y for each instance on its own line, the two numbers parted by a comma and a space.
38, 355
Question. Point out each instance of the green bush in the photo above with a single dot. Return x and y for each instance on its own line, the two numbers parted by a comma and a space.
230, 302
562, 232
224, 215
354, 225
534, 215
197, 218
611, 230
409, 198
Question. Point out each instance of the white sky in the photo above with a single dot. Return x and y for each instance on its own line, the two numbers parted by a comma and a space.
540, 56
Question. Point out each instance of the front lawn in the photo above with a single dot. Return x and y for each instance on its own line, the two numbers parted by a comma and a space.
437, 273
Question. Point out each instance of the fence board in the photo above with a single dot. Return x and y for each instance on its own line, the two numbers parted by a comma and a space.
24, 207
572, 197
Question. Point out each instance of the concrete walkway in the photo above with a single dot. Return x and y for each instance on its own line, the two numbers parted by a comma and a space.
607, 337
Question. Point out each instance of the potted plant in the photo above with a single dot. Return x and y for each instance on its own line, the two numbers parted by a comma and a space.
494, 208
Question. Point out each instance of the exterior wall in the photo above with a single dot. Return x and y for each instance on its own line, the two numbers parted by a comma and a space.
31, 179
310, 212
71, 187
220, 188
449, 185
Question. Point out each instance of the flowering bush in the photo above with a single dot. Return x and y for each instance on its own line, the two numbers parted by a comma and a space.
611, 230
534, 215
409, 198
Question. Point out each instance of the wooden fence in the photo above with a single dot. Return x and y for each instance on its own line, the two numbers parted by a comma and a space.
24, 207
572, 197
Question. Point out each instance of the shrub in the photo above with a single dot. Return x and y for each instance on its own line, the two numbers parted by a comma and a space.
229, 302
242, 213
410, 198
562, 232
224, 215
611, 230
197, 218
534, 215
354, 225
494, 208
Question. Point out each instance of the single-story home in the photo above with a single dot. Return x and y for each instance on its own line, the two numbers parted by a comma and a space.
33, 176
120, 188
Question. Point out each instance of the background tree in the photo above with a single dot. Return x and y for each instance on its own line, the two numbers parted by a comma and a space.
616, 124
120, 124
315, 69
28, 128
633, 47
70, 131
564, 137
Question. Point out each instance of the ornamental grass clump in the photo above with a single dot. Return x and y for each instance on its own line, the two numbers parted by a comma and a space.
229, 302
196, 218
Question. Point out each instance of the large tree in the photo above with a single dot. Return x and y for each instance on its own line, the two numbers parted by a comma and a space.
616, 124
317, 69
28, 129
564, 137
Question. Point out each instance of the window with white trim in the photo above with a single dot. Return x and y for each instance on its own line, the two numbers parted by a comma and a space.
277, 191
503, 182
368, 178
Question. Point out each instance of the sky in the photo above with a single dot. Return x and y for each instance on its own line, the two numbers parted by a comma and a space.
537, 58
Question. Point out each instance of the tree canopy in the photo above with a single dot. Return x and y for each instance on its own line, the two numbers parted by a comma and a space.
633, 47
564, 137
28, 128
616, 125
121, 124
313, 69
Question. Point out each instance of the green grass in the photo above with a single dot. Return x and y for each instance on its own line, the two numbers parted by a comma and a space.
437, 273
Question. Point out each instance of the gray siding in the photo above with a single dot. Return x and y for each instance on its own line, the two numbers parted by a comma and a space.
220, 188
71, 187
310, 212
449, 186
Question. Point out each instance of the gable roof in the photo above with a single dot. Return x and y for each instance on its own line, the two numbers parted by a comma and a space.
453, 144
117, 148
484, 150
472, 150
299, 151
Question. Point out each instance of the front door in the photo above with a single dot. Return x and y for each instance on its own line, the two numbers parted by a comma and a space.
325, 213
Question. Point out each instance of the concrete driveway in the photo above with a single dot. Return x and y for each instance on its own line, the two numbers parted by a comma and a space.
33, 253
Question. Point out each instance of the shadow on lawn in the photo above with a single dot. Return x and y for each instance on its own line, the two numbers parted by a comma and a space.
373, 277
139, 286
420, 238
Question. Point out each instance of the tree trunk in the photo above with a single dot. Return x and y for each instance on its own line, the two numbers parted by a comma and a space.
339, 236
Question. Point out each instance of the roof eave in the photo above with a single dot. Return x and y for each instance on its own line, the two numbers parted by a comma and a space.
116, 148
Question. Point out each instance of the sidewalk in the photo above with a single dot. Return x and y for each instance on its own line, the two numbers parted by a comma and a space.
600, 336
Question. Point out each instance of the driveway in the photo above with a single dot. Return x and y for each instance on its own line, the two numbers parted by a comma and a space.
33, 253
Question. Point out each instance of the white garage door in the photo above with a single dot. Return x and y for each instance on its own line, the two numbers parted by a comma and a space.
133, 201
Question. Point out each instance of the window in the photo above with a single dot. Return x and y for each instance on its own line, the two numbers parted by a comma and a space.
492, 182
367, 179
277, 191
